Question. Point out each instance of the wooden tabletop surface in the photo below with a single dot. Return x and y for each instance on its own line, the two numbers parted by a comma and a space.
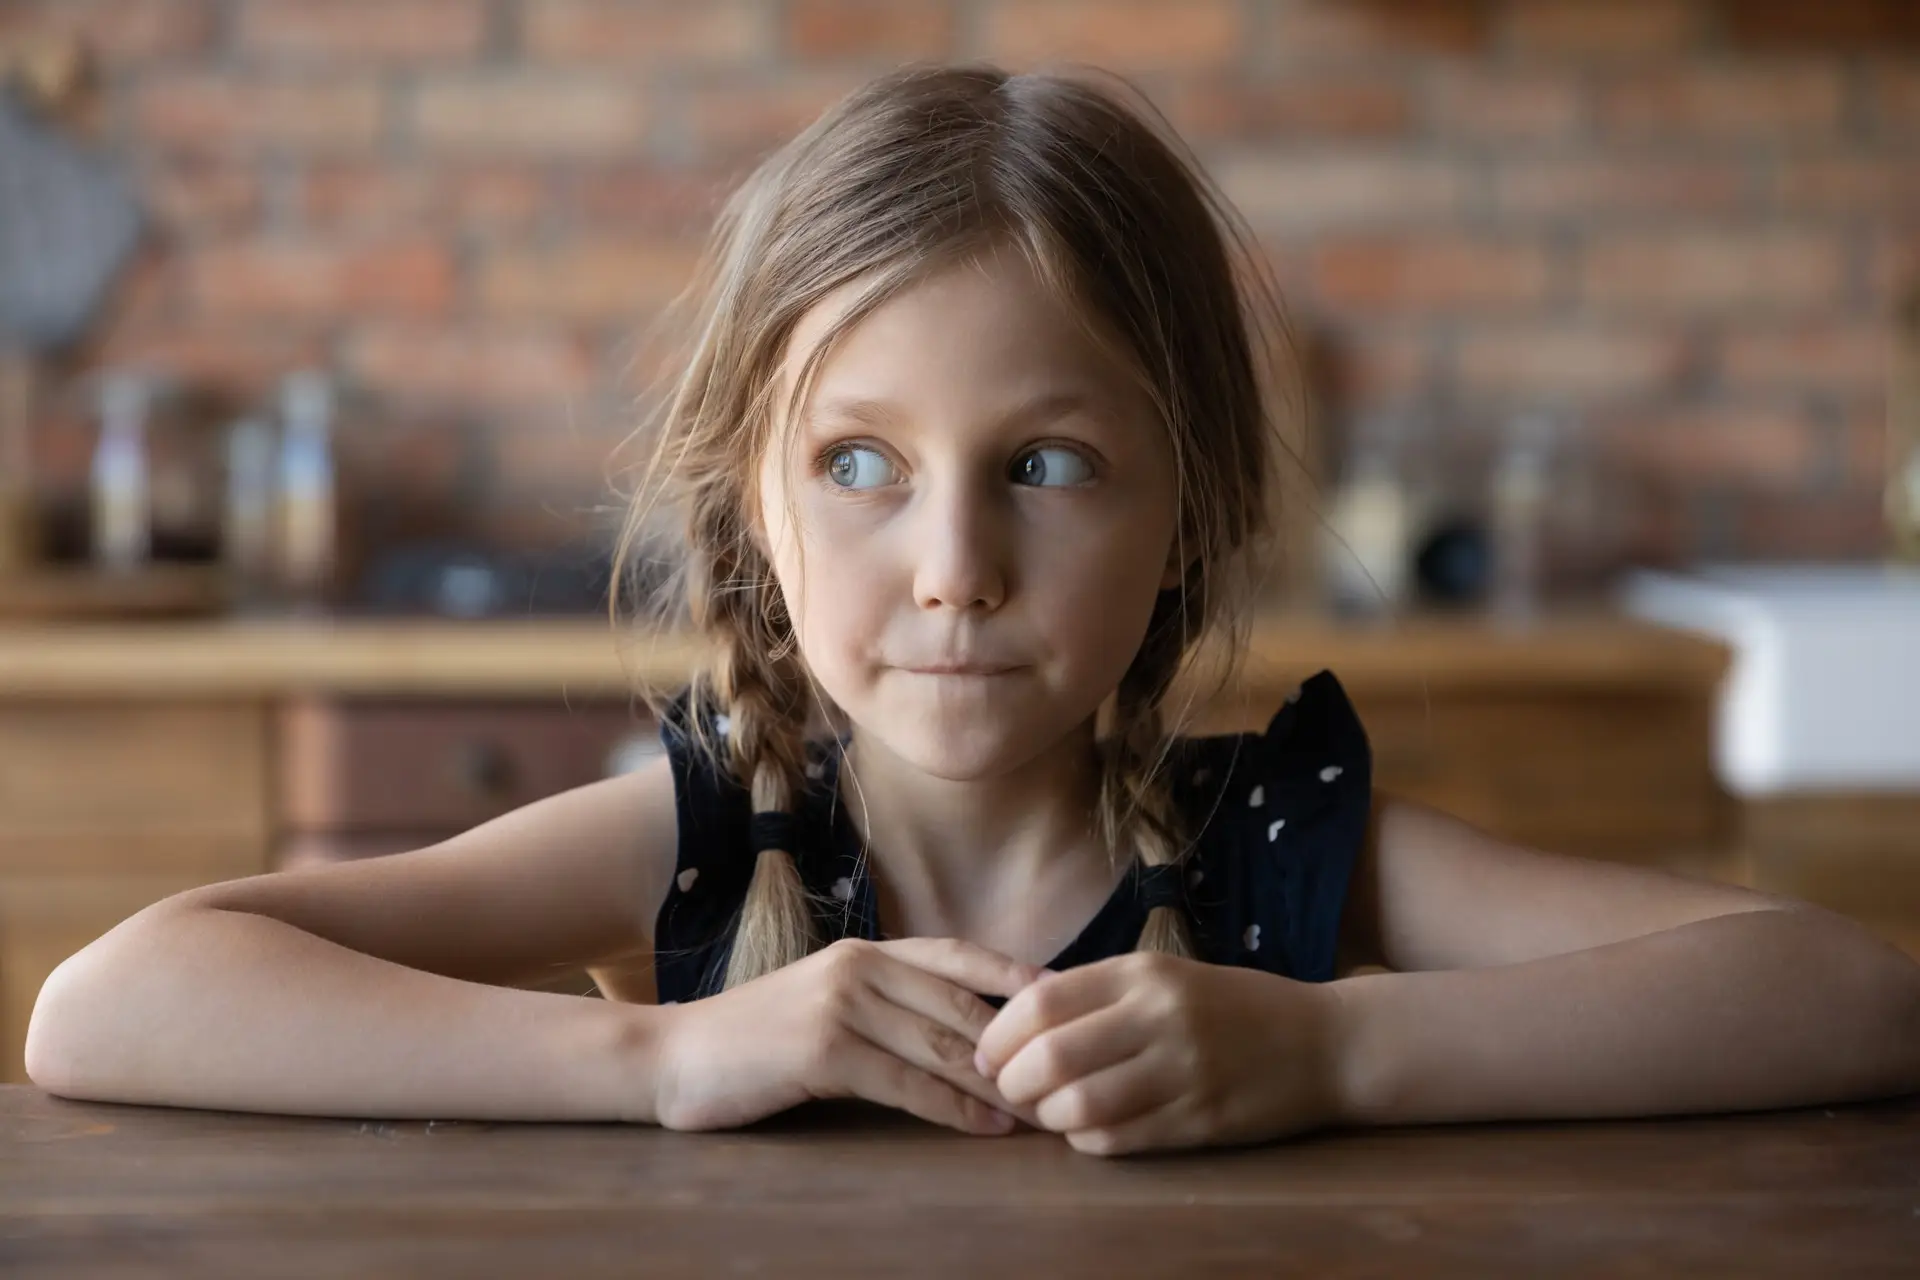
843, 1189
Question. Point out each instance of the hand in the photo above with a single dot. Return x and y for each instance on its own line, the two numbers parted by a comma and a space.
1147, 1051
894, 1022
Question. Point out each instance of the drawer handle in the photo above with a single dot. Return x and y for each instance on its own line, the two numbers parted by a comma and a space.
482, 769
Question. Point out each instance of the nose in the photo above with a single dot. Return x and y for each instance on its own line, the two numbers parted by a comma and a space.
960, 554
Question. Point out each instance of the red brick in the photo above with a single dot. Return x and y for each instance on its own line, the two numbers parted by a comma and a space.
360, 31
1603, 28
652, 33
1865, 441
623, 280
1312, 29
1719, 444
221, 355
1849, 525
530, 115
300, 278
1241, 110
1120, 35
195, 194
1306, 191
1715, 271
364, 197
220, 112
728, 121
1896, 99
1799, 28
116, 31
1478, 103
651, 197
1882, 186
1583, 188
1583, 359
901, 29
1426, 273
470, 365
1831, 355
556, 454
1798, 100
1355, 364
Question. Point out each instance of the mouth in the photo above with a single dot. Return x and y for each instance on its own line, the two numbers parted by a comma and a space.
962, 669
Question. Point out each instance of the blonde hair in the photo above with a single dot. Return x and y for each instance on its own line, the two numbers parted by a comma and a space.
915, 172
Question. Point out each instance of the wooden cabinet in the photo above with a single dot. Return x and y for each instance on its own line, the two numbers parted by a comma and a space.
366, 776
104, 810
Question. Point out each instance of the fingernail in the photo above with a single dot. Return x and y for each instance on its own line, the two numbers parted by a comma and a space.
1002, 1122
979, 1062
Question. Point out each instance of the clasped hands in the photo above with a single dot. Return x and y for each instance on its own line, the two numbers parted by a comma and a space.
1134, 1053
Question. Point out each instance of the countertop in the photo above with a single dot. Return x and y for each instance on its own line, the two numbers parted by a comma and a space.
1589, 648
838, 1189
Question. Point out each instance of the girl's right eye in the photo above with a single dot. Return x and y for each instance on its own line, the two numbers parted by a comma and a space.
855, 467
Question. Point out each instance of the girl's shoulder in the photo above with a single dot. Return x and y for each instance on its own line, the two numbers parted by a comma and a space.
1275, 820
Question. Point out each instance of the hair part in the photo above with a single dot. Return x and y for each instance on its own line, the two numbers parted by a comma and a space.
911, 174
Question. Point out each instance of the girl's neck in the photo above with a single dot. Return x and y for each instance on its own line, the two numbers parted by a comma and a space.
976, 859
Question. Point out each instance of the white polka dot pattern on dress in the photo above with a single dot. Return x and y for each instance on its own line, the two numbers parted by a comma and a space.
1273, 829
1329, 773
722, 725
1201, 775
843, 888
1194, 876
816, 771
1256, 797
686, 879
1252, 937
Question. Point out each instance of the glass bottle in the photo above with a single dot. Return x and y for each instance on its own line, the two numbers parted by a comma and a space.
1903, 432
306, 525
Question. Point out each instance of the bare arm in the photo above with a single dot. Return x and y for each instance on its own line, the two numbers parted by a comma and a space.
202, 1007
1537, 985
380, 987
1759, 1009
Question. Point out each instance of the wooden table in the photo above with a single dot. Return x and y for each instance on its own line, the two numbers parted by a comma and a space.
839, 1189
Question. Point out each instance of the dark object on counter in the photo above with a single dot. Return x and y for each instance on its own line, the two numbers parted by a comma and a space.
469, 581
1454, 564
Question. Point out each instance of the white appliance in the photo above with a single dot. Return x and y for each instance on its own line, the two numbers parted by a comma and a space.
1824, 689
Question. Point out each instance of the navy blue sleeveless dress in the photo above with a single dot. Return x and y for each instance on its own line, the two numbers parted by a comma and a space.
1277, 817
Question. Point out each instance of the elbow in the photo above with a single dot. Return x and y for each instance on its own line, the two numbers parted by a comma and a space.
50, 1031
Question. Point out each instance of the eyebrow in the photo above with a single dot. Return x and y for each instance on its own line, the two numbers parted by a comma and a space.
882, 413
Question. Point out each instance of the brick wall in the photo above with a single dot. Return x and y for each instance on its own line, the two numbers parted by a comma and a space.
1685, 219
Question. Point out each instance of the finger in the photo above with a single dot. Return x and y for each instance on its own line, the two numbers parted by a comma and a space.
1055, 999
1162, 1127
1073, 1051
1113, 1095
966, 964
929, 1045
869, 1071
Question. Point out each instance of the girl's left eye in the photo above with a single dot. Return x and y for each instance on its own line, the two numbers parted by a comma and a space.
1052, 467
853, 467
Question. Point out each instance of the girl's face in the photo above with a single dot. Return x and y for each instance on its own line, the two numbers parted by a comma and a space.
970, 519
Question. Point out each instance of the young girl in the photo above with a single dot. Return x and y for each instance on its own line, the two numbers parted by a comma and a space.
973, 448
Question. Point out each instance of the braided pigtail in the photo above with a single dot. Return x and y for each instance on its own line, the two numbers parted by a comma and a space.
1136, 808
755, 680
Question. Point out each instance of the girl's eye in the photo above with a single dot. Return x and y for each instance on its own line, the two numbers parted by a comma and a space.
857, 468
1052, 467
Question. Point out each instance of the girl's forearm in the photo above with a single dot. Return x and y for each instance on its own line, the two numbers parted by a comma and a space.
198, 1007
1750, 1011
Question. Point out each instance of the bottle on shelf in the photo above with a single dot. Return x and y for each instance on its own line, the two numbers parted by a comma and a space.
306, 529
1903, 431
121, 501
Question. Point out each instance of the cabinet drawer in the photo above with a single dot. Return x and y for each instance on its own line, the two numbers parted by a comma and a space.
438, 767
154, 787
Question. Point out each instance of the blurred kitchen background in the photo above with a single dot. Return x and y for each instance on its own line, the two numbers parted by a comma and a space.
321, 324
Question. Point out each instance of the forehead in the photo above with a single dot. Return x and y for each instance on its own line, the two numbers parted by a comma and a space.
986, 326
